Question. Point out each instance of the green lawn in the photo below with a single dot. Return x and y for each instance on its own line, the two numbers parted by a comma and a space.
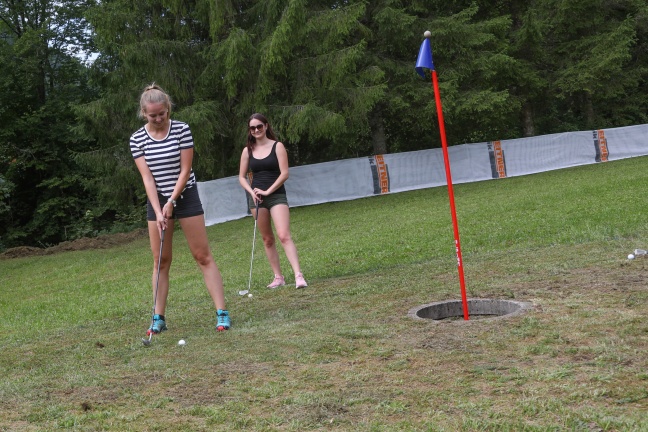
342, 355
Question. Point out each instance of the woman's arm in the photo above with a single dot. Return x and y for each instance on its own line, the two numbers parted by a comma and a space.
243, 170
186, 160
151, 190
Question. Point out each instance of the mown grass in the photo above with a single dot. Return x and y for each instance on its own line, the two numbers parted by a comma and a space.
342, 354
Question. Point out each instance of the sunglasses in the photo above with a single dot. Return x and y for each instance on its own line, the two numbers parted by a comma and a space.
257, 128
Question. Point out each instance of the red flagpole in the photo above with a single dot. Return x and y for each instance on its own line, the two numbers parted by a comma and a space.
437, 96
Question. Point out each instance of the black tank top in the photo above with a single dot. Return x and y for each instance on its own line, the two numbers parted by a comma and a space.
266, 171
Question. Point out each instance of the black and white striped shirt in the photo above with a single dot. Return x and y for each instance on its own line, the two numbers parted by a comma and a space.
163, 156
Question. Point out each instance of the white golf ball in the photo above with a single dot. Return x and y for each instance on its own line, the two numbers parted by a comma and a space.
181, 342
630, 256
250, 295
427, 33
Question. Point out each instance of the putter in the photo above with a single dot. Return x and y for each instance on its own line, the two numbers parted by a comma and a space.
150, 332
245, 292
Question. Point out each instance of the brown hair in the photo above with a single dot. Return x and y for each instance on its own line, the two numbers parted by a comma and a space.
251, 141
153, 94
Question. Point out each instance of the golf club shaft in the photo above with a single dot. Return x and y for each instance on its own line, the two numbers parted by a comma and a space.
256, 218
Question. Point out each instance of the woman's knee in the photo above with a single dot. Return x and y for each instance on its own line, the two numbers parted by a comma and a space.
284, 237
203, 257
165, 263
268, 240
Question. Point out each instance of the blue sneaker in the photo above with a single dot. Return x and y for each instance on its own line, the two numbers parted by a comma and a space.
222, 320
158, 324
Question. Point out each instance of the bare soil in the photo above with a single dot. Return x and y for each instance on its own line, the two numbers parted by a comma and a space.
85, 243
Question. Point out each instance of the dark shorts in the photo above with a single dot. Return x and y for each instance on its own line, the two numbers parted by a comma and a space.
187, 205
269, 201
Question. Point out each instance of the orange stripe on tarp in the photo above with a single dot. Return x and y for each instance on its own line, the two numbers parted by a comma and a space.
383, 174
602, 148
500, 164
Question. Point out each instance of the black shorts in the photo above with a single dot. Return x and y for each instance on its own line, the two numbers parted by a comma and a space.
187, 205
269, 201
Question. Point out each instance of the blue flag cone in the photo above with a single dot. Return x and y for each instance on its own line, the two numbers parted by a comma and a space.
424, 60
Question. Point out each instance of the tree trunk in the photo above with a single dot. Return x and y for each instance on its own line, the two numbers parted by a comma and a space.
528, 125
589, 112
378, 133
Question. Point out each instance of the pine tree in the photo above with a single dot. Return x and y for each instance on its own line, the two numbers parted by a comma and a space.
140, 43
42, 76
596, 63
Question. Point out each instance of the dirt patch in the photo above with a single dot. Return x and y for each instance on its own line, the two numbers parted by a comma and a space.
101, 242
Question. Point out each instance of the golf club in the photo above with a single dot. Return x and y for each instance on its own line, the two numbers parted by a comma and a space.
150, 332
244, 292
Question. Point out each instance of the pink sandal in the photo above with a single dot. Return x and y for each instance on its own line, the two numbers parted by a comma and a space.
277, 282
300, 282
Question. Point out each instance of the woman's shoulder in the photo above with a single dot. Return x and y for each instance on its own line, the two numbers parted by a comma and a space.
278, 145
177, 125
138, 134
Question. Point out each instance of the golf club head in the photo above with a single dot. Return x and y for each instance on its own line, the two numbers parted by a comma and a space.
243, 292
145, 341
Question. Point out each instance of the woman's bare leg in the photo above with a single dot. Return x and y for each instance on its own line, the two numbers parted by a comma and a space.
281, 219
196, 234
165, 264
265, 228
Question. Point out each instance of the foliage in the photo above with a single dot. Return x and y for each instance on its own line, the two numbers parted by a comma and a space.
596, 62
43, 76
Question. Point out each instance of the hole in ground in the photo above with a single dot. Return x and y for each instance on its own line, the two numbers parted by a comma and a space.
478, 309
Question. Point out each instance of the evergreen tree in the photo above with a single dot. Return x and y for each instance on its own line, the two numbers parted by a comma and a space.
302, 64
597, 62
471, 55
41, 77
140, 43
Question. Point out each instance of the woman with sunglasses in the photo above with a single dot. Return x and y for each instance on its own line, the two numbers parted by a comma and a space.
163, 153
267, 159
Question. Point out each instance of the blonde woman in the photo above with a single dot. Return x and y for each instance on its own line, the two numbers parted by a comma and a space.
163, 153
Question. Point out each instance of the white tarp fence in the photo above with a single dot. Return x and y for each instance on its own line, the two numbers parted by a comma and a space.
224, 199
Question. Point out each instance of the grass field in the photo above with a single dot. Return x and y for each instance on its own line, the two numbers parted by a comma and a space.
342, 355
